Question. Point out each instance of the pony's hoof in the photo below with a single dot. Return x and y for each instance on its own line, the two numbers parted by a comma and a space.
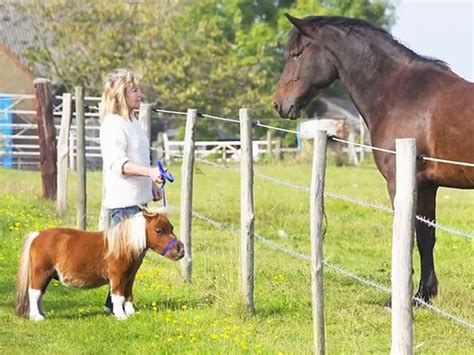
128, 308
36, 317
121, 316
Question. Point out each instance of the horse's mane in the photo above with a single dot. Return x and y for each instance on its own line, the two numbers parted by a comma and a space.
128, 237
365, 29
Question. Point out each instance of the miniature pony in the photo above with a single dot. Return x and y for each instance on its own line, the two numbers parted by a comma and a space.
91, 259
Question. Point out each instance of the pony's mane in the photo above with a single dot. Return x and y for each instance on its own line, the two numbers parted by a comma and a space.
365, 29
128, 237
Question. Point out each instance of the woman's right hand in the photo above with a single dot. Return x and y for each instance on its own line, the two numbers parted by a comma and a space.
154, 174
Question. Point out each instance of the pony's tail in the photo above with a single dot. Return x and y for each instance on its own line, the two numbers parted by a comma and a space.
22, 279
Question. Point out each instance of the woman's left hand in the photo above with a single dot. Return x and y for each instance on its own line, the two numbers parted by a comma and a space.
157, 194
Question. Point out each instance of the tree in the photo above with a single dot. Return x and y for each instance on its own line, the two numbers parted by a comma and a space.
215, 56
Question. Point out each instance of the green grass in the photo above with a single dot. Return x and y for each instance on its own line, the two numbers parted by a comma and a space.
207, 315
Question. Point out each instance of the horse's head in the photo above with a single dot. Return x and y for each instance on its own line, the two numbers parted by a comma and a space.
308, 68
160, 236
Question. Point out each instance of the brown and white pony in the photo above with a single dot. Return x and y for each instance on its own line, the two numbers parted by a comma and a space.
91, 259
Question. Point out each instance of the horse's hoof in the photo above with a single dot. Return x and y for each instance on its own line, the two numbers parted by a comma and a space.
420, 301
128, 308
388, 304
121, 316
36, 317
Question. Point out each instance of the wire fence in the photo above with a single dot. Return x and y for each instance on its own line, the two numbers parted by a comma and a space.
275, 128
257, 123
305, 257
336, 196
336, 268
341, 271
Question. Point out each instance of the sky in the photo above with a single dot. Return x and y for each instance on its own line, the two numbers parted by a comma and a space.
443, 29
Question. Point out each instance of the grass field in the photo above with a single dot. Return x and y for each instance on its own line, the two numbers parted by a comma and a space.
206, 316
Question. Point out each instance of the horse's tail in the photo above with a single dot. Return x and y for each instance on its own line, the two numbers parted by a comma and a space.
22, 279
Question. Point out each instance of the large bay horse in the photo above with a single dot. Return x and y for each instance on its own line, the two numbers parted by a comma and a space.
91, 259
399, 94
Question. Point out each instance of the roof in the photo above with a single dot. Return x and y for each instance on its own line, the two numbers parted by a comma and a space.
16, 29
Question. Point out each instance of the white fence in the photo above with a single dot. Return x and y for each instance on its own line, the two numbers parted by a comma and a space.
224, 150
21, 143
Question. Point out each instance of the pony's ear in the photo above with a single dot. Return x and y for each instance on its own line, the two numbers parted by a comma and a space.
148, 214
300, 24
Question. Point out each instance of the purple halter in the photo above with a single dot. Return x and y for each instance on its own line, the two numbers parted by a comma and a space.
169, 246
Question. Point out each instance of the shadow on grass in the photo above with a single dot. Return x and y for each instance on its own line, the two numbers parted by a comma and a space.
175, 304
62, 302
73, 304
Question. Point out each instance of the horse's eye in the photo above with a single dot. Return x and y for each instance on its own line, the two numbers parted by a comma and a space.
158, 231
297, 55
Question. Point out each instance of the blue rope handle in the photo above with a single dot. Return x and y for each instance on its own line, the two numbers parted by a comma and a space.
165, 176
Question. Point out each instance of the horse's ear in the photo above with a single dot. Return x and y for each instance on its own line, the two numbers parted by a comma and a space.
148, 214
300, 24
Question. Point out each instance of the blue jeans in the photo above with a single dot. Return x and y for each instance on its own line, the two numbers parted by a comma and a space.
117, 214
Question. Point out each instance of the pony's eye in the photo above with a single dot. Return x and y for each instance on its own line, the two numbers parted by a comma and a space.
158, 231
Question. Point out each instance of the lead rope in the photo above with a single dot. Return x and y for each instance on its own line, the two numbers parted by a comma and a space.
165, 176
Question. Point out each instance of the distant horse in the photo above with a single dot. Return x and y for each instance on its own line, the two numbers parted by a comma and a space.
400, 95
91, 259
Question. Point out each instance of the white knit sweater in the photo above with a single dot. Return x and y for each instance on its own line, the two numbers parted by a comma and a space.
123, 140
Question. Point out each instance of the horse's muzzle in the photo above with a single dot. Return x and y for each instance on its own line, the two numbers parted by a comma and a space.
286, 108
179, 254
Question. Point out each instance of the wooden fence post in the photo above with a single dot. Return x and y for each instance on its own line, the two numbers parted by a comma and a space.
402, 247
187, 194
63, 150
72, 150
144, 117
80, 159
157, 147
166, 147
247, 216
279, 144
46, 136
353, 158
269, 143
104, 214
316, 221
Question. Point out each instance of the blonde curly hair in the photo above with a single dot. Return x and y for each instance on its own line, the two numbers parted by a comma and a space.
116, 84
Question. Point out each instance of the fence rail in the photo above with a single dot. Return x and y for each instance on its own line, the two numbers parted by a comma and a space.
227, 150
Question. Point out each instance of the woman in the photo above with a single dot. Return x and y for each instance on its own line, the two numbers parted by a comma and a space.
129, 181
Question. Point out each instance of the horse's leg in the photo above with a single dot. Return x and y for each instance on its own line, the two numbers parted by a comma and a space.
43, 290
425, 239
117, 287
129, 309
128, 306
39, 278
